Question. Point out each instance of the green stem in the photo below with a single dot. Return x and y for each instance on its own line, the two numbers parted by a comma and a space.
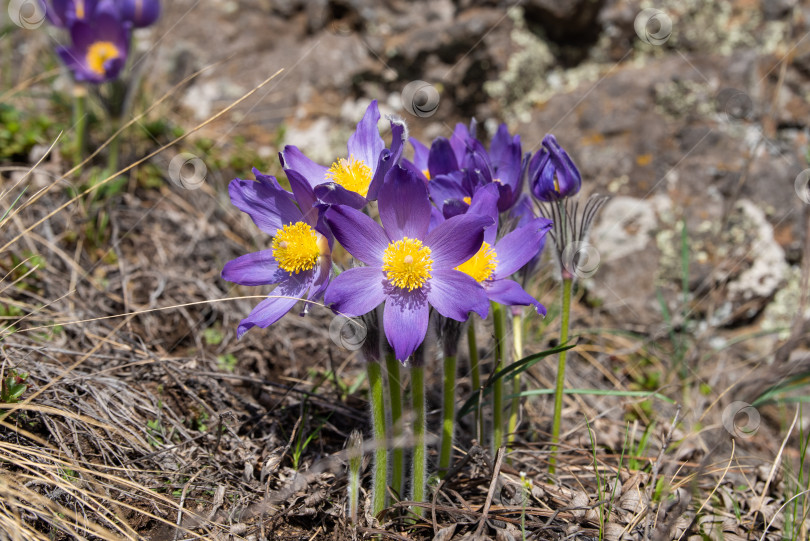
558, 390
114, 151
475, 370
378, 427
419, 427
395, 393
501, 349
80, 120
448, 414
517, 336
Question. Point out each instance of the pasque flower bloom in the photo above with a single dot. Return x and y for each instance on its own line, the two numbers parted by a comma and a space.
498, 259
299, 259
552, 173
354, 180
409, 268
99, 47
62, 13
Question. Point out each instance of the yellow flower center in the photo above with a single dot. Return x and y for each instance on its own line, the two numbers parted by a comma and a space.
99, 53
426, 172
352, 174
556, 184
482, 265
295, 247
407, 263
468, 200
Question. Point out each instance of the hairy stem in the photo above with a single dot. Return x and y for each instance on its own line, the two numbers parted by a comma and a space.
395, 394
501, 349
419, 426
448, 414
475, 370
558, 391
378, 427
80, 120
514, 409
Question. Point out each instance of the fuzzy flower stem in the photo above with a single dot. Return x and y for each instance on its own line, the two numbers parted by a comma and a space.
501, 350
475, 370
419, 427
114, 149
517, 336
375, 381
80, 120
395, 394
448, 414
568, 282
355, 451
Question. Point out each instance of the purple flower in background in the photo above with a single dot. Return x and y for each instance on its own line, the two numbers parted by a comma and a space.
99, 48
497, 260
140, 13
299, 260
409, 268
508, 167
354, 180
552, 173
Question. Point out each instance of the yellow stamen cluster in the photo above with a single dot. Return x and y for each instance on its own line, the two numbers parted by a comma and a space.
468, 200
482, 265
99, 53
426, 172
352, 174
407, 263
295, 247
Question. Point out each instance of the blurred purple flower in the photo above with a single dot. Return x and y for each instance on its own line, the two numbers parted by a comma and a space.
99, 48
140, 13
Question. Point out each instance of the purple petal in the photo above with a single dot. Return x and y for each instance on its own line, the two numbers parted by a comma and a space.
405, 319
365, 143
519, 247
268, 207
384, 164
277, 304
254, 269
454, 294
446, 187
459, 140
404, 205
356, 291
509, 293
292, 158
420, 154
456, 240
361, 236
333, 193
304, 196
320, 278
441, 159
485, 202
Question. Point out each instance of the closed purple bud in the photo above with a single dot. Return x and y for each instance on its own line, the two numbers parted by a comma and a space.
140, 13
552, 173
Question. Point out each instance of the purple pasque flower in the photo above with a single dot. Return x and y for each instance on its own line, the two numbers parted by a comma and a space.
552, 173
99, 48
408, 268
141, 13
355, 180
299, 260
509, 167
498, 259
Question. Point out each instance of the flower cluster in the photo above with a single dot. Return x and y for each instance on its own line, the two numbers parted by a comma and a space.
454, 227
100, 33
